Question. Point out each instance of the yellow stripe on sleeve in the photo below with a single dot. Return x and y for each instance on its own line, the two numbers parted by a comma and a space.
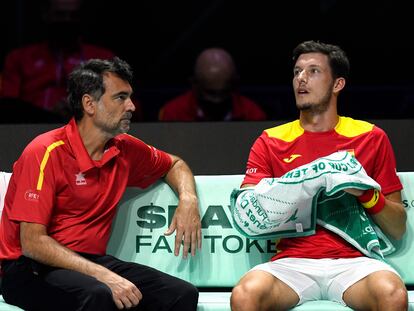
44, 162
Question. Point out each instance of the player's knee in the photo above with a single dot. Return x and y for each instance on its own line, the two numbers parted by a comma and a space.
392, 294
397, 297
243, 297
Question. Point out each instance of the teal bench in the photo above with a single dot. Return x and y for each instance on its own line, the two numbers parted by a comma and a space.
226, 255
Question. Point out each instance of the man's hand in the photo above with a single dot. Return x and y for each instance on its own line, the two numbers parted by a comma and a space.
186, 219
186, 223
124, 293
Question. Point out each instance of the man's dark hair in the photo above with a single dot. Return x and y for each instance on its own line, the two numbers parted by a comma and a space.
337, 58
87, 78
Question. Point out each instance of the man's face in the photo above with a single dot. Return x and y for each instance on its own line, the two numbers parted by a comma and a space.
214, 97
312, 82
114, 109
214, 91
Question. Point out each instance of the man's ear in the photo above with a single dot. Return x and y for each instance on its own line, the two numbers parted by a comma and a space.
88, 104
339, 84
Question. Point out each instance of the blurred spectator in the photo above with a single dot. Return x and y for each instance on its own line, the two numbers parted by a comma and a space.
36, 74
214, 95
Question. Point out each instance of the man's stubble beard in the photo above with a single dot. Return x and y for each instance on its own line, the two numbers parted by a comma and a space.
319, 107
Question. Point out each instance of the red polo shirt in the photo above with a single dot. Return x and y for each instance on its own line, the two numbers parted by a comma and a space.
57, 184
285, 147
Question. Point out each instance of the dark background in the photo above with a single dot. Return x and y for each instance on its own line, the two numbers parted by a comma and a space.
161, 39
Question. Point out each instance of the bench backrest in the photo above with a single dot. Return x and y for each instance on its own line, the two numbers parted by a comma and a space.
143, 217
226, 255
402, 258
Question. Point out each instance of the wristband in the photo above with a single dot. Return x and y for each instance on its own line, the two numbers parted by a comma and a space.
372, 200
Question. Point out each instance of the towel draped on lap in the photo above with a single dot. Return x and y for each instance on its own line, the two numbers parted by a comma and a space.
292, 205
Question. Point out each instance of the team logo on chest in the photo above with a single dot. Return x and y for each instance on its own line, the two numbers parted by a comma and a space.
292, 158
80, 179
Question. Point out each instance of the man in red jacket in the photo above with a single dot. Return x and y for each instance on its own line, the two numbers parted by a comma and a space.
213, 96
36, 74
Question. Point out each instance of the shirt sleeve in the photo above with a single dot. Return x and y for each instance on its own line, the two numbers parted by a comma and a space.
147, 163
34, 186
385, 168
258, 164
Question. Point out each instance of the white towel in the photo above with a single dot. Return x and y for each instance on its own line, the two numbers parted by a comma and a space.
291, 205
